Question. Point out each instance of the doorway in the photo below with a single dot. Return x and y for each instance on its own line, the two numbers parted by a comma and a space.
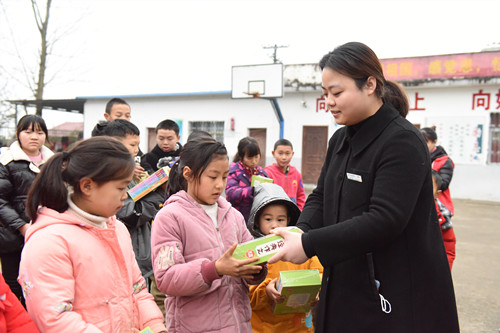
314, 145
260, 134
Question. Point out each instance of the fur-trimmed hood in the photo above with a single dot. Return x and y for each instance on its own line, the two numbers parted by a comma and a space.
267, 193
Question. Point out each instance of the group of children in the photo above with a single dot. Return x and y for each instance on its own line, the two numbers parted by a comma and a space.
81, 273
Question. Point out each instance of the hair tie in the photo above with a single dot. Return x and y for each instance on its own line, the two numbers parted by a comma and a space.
65, 156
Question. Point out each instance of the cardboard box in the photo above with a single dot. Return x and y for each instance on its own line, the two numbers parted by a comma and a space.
149, 184
263, 247
256, 180
299, 288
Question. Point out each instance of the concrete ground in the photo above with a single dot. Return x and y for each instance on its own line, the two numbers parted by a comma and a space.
476, 270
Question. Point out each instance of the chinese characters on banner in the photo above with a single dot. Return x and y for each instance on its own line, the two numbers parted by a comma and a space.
452, 66
480, 100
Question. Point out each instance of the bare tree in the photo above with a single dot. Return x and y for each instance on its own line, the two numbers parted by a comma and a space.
7, 115
42, 23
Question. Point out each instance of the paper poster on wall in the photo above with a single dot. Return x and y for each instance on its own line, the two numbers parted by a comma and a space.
462, 138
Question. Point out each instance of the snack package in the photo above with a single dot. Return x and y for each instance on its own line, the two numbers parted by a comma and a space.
263, 247
299, 288
149, 184
256, 180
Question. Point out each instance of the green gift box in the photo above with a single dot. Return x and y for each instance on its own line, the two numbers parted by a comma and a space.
147, 330
256, 180
299, 288
263, 247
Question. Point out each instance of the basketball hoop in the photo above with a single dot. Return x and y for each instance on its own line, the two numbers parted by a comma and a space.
257, 81
254, 94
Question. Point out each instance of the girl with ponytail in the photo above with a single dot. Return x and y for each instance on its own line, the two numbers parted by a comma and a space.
78, 269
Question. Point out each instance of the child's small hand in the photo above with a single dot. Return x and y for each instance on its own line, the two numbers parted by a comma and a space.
139, 172
228, 265
272, 293
314, 301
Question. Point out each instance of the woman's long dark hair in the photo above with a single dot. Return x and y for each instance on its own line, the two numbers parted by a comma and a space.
100, 158
359, 62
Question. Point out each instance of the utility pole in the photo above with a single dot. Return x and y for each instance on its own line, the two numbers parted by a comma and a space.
275, 47
274, 101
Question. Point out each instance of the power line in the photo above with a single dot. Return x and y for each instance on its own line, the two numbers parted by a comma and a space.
275, 47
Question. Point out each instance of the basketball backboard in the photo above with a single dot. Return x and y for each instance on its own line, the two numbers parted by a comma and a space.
253, 81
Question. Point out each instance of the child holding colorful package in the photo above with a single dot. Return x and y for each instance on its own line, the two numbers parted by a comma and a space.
193, 238
444, 219
286, 175
78, 269
272, 208
239, 191
137, 215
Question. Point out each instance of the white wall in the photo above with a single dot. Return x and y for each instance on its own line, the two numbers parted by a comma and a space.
476, 182
147, 112
445, 104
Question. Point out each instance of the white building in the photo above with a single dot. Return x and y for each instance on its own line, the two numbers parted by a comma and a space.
459, 94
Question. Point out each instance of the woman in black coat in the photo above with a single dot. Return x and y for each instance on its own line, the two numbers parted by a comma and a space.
19, 166
371, 219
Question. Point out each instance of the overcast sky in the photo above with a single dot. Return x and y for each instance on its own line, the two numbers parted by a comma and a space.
146, 47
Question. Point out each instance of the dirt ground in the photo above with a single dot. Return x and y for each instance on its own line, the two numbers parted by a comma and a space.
476, 270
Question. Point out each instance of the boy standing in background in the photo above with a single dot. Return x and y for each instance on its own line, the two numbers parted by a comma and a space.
116, 108
286, 175
137, 216
167, 146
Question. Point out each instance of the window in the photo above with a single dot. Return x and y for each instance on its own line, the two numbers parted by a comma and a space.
215, 128
495, 137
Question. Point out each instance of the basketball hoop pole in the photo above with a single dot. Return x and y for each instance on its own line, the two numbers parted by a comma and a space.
260, 81
277, 110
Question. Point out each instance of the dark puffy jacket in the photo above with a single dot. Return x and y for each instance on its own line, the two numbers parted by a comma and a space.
443, 164
137, 216
445, 168
149, 161
17, 173
239, 191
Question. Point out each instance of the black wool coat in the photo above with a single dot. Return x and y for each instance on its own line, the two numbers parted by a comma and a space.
372, 223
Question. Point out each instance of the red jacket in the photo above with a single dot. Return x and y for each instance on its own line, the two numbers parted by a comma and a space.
291, 181
13, 317
449, 237
443, 164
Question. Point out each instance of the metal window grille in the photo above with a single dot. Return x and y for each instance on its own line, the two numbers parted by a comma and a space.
215, 128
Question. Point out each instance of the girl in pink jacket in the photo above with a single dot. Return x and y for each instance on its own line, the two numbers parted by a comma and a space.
78, 270
193, 239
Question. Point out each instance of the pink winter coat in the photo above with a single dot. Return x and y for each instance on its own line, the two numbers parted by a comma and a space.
185, 244
80, 278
